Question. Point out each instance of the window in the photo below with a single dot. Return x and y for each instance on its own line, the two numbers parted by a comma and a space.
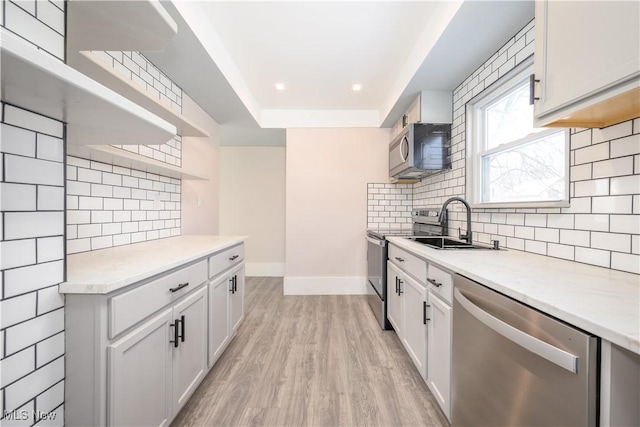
509, 162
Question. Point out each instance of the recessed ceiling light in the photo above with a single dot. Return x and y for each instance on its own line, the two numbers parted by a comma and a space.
280, 86
356, 87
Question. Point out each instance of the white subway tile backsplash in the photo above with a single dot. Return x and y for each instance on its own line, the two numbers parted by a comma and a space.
581, 139
35, 122
17, 197
50, 399
78, 217
89, 230
580, 172
614, 167
15, 140
49, 299
592, 153
612, 204
625, 262
593, 256
535, 247
50, 198
89, 175
561, 251
596, 187
629, 224
50, 148
31, 385
625, 185
592, 222
101, 216
32, 171
535, 220
78, 245
32, 331
547, 235
90, 202
99, 190
17, 366
23, 225
17, 253
612, 132
21, 280
18, 309
611, 241
78, 188
50, 248
21, 22
627, 146
575, 237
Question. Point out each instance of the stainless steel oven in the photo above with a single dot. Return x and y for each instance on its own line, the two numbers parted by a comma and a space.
425, 222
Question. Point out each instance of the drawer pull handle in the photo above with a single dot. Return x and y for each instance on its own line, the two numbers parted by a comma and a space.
175, 341
182, 328
434, 282
424, 312
233, 258
180, 286
399, 259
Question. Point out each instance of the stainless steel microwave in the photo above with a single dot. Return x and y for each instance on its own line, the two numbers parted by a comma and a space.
420, 150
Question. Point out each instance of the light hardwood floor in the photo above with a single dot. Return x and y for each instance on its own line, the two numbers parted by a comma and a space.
310, 361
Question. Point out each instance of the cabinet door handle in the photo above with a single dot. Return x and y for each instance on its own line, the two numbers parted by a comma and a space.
231, 281
235, 284
399, 259
396, 284
532, 89
424, 312
176, 337
180, 286
182, 328
233, 258
434, 282
400, 282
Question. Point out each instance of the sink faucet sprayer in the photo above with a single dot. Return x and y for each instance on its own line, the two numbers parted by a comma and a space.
466, 236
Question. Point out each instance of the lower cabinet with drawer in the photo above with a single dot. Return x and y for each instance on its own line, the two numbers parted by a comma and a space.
134, 356
226, 304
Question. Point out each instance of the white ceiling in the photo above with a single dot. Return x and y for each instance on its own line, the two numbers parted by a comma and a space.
229, 54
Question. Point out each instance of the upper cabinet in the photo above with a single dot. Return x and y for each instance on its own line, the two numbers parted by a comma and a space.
431, 106
39, 82
587, 63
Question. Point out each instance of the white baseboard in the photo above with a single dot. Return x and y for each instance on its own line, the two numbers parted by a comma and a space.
264, 269
326, 286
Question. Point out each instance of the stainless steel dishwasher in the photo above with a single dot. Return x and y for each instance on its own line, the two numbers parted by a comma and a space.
514, 366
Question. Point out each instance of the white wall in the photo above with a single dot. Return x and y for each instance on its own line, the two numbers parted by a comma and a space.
326, 204
252, 203
200, 199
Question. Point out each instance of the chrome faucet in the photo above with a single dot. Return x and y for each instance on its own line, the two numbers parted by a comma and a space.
466, 236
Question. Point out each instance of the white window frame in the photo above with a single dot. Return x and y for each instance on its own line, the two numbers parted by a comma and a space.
474, 134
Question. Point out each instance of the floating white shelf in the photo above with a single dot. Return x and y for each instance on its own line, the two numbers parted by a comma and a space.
126, 159
36, 81
118, 25
99, 69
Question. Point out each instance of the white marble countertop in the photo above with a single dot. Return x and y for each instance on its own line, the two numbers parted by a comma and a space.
107, 270
601, 301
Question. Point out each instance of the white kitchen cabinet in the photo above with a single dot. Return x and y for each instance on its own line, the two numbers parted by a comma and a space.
237, 297
190, 355
226, 298
406, 299
587, 63
140, 375
137, 353
414, 336
440, 316
219, 331
394, 298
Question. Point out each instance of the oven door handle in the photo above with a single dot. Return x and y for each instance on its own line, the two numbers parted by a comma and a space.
375, 241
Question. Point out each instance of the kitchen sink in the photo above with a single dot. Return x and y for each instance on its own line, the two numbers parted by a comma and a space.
446, 242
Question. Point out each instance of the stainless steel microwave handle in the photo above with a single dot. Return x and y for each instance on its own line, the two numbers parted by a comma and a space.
553, 354
404, 139
375, 241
